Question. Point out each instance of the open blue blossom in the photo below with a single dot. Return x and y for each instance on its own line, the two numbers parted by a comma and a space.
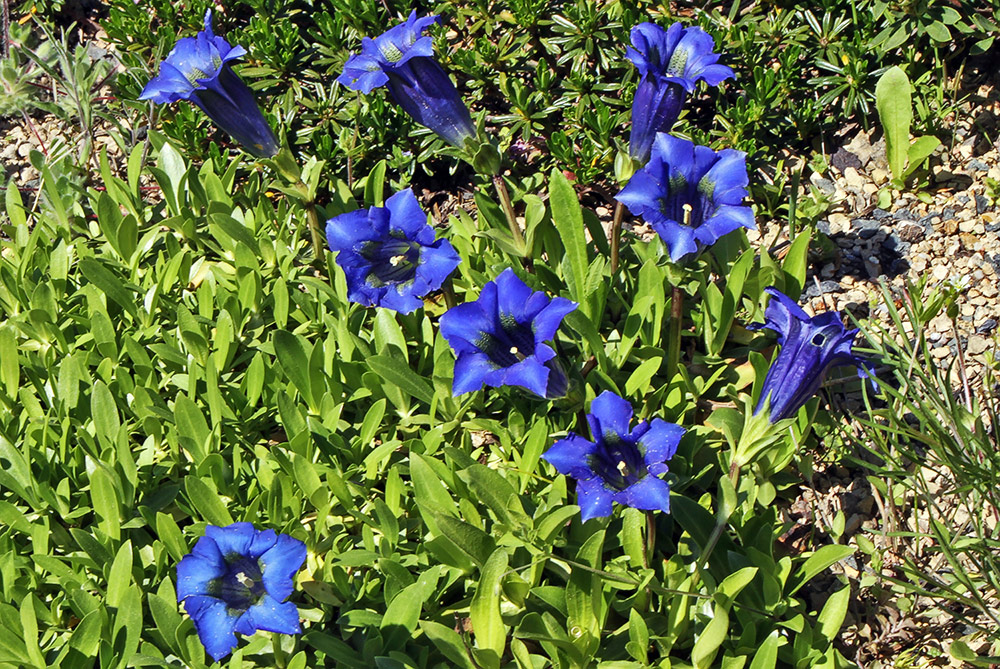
402, 59
810, 347
197, 69
690, 194
500, 338
670, 64
389, 253
619, 465
237, 580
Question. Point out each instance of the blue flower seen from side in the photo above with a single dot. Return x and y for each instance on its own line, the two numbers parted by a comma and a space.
810, 347
500, 338
389, 253
621, 464
670, 64
197, 69
690, 194
236, 579
402, 59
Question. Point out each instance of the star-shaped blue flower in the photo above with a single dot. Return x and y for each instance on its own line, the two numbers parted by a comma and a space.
690, 194
237, 580
198, 69
389, 253
402, 58
670, 64
619, 465
500, 338
810, 347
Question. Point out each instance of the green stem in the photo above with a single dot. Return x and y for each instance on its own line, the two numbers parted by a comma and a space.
674, 338
315, 231
279, 655
449, 294
508, 211
615, 236
650, 539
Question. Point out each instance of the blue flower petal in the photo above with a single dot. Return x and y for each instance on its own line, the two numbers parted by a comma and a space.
232, 539
529, 373
280, 564
214, 623
548, 320
649, 494
197, 570
610, 417
659, 443
270, 615
362, 73
471, 370
405, 213
570, 456
594, 500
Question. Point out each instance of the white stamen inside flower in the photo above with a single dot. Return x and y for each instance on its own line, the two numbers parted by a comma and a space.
513, 349
623, 468
244, 580
687, 213
395, 260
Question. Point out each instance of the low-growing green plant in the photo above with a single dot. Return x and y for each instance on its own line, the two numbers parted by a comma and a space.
895, 111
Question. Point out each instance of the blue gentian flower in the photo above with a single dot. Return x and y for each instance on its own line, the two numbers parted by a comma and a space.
619, 465
197, 69
670, 63
810, 347
403, 60
389, 253
500, 338
237, 580
690, 194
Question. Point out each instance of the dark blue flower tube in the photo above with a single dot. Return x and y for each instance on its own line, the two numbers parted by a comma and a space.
236, 580
621, 464
691, 195
810, 347
389, 254
670, 64
402, 58
197, 69
500, 338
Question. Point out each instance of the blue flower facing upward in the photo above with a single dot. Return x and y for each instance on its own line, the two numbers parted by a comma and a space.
197, 69
670, 64
690, 194
620, 465
389, 253
500, 338
810, 347
402, 58
237, 580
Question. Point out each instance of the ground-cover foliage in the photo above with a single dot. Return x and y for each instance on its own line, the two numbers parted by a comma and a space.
173, 364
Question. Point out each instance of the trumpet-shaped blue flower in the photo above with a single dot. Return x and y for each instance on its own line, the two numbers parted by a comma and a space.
690, 194
197, 69
500, 338
402, 58
670, 64
389, 253
619, 465
810, 347
237, 580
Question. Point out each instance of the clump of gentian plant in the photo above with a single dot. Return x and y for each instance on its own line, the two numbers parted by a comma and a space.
402, 59
198, 69
500, 339
690, 194
670, 62
621, 464
236, 580
389, 254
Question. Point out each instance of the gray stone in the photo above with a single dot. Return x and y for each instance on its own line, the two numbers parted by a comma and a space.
987, 326
977, 166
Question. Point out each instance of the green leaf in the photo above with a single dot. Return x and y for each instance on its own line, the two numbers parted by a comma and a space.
766, 656
920, 149
104, 497
120, 576
817, 562
707, 645
293, 355
205, 501
892, 100
109, 284
568, 220
448, 642
831, 618
638, 634
793, 267
397, 372
638, 381
487, 625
